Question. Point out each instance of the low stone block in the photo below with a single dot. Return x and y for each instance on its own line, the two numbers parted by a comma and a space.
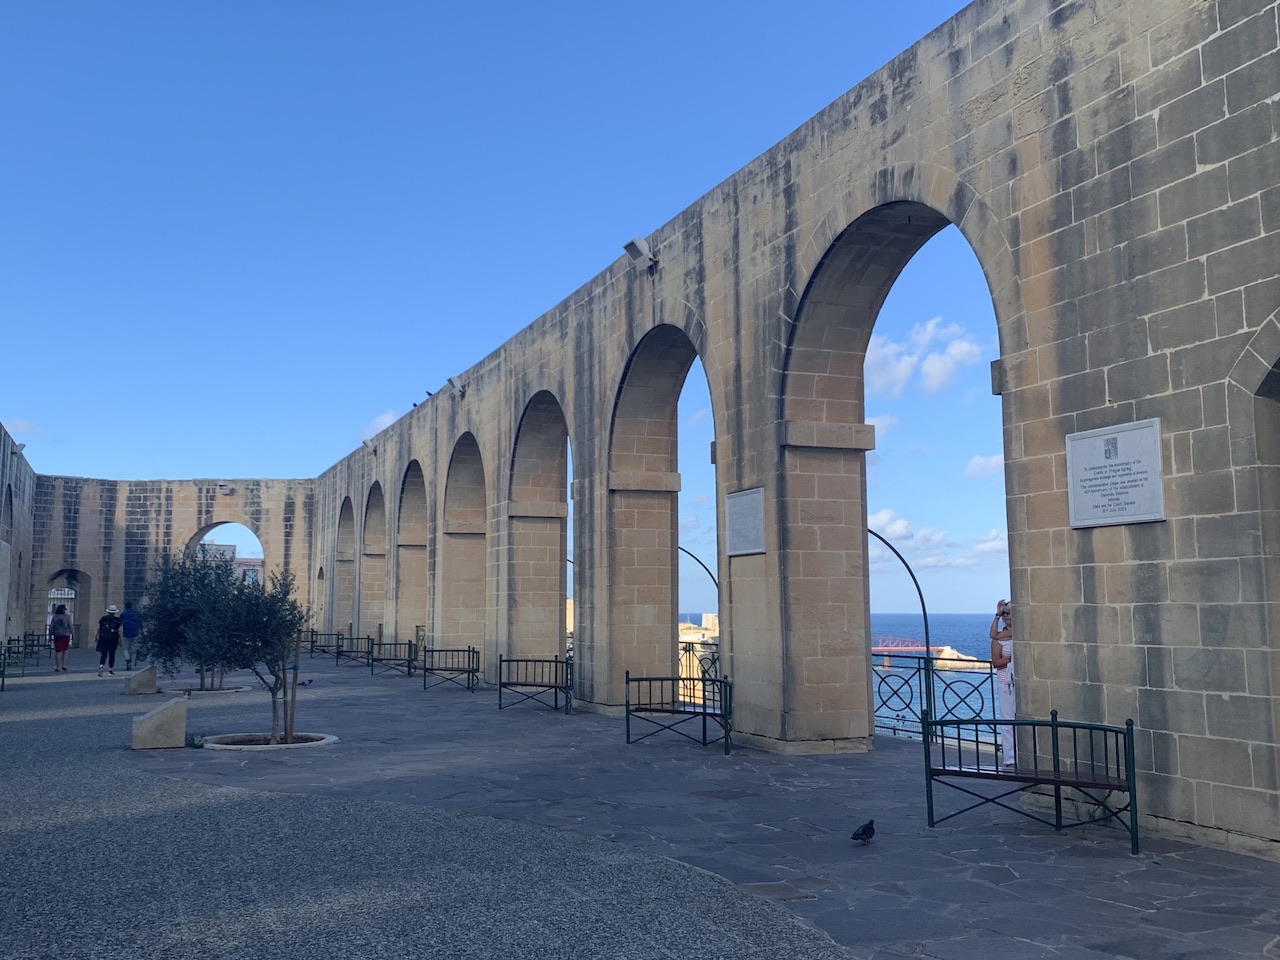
144, 681
163, 727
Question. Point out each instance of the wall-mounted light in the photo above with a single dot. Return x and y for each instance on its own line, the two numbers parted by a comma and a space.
460, 387
224, 489
370, 446
17, 449
639, 252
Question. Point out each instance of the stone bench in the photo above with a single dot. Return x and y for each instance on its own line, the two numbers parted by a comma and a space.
161, 728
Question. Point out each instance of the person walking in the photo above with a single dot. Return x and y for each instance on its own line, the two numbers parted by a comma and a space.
61, 630
1002, 659
130, 627
108, 640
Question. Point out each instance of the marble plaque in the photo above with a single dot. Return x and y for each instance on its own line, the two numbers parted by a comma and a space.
1115, 475
744, 522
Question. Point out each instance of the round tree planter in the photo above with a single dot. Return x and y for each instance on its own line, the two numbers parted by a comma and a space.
262, 741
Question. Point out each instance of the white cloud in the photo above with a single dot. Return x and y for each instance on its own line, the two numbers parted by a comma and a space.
698, 417
984, 466
923, 334
939, 369
883, 424
942, 560
378, 424
888, 366
25, 427
994, 542
889, 525
937, 349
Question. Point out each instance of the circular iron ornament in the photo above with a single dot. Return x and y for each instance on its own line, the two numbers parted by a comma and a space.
962, 699
896, 692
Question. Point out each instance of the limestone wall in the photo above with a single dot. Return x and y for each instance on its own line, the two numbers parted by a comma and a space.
1113, 165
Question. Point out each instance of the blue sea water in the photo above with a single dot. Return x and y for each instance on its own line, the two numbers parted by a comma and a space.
964, 632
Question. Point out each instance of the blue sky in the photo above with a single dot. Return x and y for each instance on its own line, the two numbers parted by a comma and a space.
236, 238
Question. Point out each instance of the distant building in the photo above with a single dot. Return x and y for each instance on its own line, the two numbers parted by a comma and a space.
249, 569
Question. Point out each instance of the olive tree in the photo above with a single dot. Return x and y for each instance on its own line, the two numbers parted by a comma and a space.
197, 610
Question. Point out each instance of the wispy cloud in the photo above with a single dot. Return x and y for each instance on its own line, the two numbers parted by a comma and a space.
984, 466
997, 541
883, 424
697, 417
936, 349
378, 424
26, 428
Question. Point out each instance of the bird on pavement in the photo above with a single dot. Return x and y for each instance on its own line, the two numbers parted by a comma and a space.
865, 832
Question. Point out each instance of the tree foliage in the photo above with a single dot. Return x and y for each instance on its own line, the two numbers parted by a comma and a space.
198, 611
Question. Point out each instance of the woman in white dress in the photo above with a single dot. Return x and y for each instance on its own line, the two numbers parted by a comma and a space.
1002, 660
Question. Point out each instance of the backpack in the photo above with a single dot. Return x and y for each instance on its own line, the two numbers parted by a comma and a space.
109, 630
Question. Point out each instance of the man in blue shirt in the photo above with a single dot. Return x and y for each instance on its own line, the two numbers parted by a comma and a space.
130, 627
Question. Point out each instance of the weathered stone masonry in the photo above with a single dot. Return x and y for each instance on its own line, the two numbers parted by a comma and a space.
1114, 166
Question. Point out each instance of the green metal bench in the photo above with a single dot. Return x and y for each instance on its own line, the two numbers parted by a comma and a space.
536, 679
458, 665
385, 656
669, 703
1084, 763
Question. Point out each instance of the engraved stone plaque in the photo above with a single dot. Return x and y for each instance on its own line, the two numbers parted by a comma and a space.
744, 522
1115, 475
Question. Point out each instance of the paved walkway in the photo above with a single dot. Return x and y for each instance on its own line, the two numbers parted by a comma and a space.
441, 827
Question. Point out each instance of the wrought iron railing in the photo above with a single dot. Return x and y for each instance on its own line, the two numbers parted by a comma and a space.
963, 689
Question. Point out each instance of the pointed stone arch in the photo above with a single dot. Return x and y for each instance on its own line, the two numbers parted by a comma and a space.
643, 485
373, 565
344, 571
824, 657
537, 535
463, 556
413, 575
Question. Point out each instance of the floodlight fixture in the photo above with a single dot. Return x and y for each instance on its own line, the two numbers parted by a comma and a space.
639, 252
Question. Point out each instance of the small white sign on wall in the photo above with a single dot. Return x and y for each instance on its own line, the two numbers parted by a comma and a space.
744, 522
1115, 475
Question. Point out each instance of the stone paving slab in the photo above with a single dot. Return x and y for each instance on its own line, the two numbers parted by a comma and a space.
417, 770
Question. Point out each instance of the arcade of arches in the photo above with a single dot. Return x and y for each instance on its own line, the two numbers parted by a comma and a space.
1113, 167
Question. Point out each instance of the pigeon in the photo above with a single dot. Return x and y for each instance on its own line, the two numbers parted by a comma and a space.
865, 832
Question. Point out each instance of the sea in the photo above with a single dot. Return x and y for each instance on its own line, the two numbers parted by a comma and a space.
966, 633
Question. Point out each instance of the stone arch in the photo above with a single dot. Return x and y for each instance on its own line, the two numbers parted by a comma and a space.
83, 607
822, 515
344, 571
373, 565
1253, 422
908, 190
643, 483
463, 559
538, 512
321, 600
193, 542
413, 576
